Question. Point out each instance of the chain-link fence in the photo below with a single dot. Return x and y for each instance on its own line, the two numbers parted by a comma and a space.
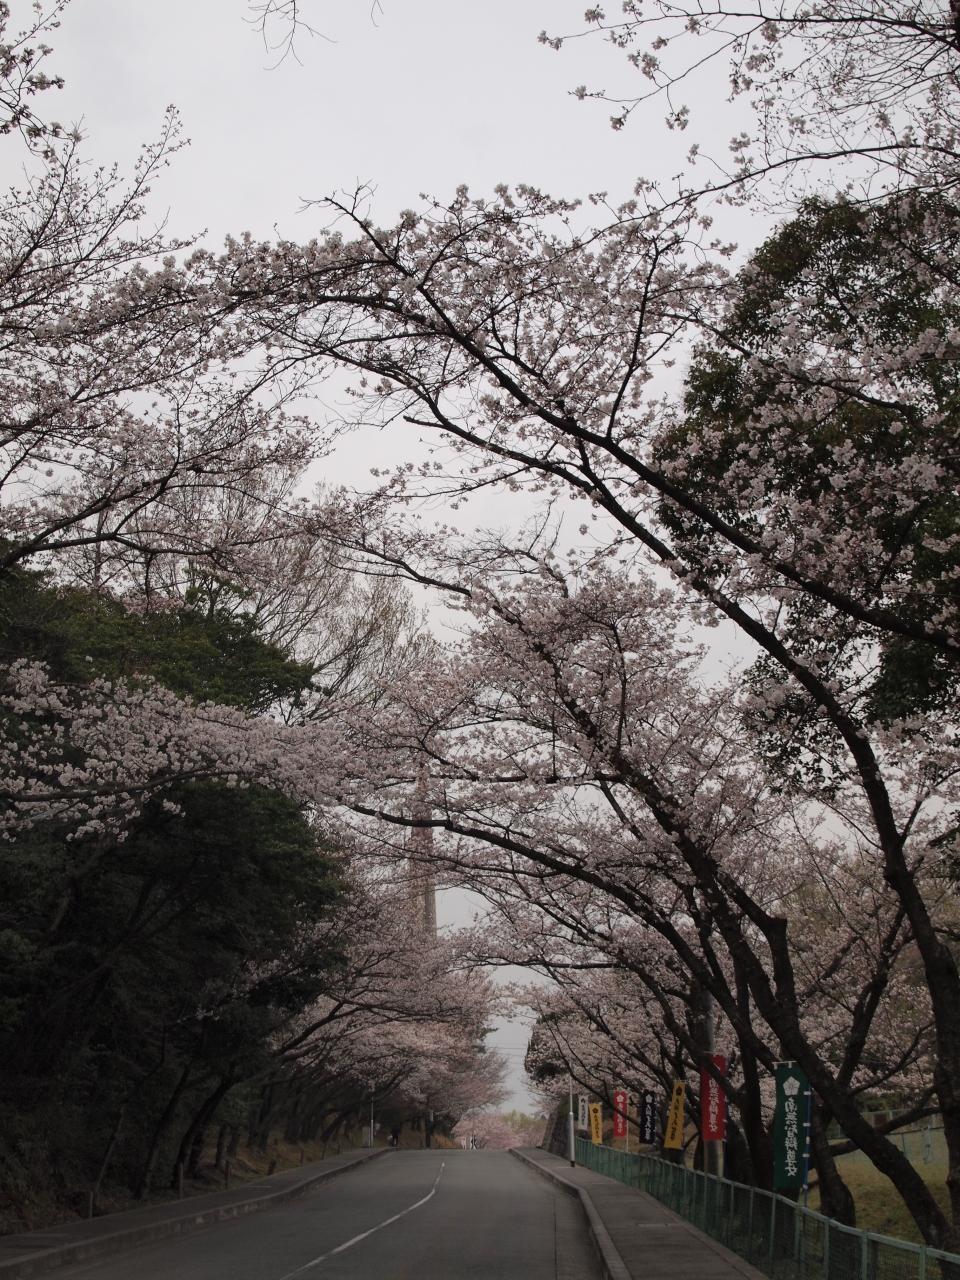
776, 1235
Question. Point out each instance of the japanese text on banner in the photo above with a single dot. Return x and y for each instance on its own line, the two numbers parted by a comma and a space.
619, 1113
790, 1128
596, 1123
673, 1138
713, 1102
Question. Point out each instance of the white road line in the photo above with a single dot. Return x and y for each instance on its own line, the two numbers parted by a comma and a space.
363, 1235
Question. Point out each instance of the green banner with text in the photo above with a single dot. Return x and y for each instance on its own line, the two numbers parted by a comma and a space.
791, 1132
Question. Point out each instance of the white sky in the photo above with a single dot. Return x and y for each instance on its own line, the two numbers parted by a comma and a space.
422, 96
419, 97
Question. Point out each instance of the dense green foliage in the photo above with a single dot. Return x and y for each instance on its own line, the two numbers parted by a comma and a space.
835, 269
141, 977
205, 651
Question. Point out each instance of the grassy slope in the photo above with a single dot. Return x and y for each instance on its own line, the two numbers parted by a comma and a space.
879, 1208
247, 1166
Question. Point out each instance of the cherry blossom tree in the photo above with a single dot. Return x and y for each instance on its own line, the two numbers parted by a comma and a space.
800, 494
23, 76
621, 1009
125, 392
402, 1023
856, 91
489, 1130
353, 632
589, 774
822, 93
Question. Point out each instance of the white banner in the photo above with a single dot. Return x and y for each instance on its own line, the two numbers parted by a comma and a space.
583, 1119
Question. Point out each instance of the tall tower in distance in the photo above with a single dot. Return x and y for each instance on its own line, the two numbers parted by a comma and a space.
423, 885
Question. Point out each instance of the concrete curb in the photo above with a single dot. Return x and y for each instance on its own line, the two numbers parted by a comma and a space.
116, 1237
612, 1262
614, 1267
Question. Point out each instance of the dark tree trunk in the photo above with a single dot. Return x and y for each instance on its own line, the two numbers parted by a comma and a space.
739, 1162
835, 1198
223, 1134
108, 1153
191, 1144
292, 1129
751, 1106
260, 1135
166, 1117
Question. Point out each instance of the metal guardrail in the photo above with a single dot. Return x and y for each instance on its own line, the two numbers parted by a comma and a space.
778, 1236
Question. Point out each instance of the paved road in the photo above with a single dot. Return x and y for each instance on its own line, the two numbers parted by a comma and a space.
422, 1215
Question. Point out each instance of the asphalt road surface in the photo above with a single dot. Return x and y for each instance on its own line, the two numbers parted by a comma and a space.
426, 1215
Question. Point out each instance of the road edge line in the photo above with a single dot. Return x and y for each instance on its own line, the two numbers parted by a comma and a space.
614, 1267
191, 1220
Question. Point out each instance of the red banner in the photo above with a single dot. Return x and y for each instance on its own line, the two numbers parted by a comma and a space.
713, 1102
619, 1113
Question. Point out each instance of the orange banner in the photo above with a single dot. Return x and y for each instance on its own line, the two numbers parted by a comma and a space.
673, 1138
596, 1123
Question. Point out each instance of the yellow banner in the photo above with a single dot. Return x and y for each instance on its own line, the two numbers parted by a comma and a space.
596, 1123
673, 1138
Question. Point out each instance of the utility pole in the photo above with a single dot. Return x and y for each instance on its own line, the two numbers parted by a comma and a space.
422, 890
712, 1150
423, 885
571, 1132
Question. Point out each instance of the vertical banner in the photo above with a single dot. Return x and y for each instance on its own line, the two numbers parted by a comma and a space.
713, 1102
791, 1128
673, 1137
648, 1117
596, 1123
619, 1113
583, 1119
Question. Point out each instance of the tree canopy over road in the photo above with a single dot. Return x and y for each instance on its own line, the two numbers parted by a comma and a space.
216, 691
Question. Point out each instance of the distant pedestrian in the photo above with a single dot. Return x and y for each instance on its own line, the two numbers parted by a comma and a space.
395, 1136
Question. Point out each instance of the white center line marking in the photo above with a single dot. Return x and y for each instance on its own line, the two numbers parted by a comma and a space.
363, 1235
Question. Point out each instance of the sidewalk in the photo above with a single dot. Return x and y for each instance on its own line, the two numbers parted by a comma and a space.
635, 1236
35, 1252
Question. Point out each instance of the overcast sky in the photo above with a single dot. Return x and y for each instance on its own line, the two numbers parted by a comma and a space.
414, 96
